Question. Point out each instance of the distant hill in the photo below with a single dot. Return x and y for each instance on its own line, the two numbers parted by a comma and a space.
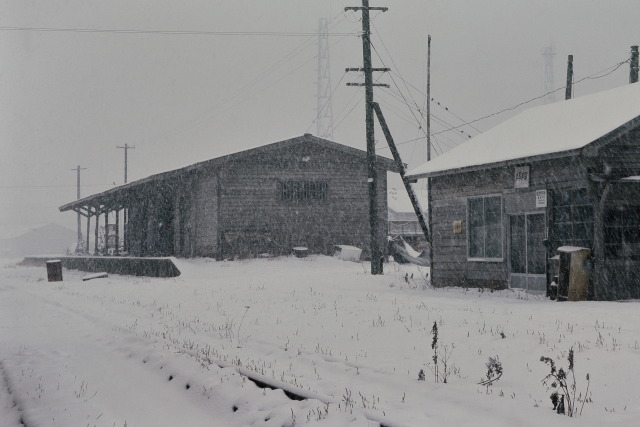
48, 239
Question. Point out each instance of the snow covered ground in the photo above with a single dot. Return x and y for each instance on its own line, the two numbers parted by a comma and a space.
171, 352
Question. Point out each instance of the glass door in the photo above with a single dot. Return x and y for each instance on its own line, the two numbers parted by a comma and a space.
526, 251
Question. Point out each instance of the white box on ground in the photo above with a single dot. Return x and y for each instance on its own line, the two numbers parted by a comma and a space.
347, 253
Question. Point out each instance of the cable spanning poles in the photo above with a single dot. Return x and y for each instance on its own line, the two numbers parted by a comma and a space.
376, 253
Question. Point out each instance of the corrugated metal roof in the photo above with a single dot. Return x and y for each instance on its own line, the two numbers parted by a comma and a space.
555, 129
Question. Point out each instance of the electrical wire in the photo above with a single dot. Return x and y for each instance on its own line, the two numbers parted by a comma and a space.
436, 118
173, 32
315, 120
593, 76
228, 102
447, 109
51, 186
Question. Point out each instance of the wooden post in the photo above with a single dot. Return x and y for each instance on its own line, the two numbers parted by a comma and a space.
78, 169
372, 173
633, 75
95, 243
376, 265
429, 205
106, 232
125, 226
86, 249
567, 92
407, 184
116, 250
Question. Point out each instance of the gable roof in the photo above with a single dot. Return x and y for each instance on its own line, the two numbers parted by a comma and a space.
553, 130
110, 195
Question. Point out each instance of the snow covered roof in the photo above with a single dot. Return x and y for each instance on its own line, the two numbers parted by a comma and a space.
559, 128
113, 195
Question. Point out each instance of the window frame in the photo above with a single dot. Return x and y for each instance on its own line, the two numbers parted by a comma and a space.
502, 229
294, 191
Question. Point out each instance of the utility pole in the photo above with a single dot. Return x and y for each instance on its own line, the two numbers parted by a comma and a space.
633, 74
125, 212
78, 169
126, 148
376, 254
428, 98
325, 109
567, 92
429, 233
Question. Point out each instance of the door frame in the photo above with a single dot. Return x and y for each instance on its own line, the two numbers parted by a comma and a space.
526, 276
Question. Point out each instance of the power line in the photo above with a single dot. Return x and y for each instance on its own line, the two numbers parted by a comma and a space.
417, 108
398, 88
438, 119
52, 186
173, 32
593, 76
232, 100
328, 99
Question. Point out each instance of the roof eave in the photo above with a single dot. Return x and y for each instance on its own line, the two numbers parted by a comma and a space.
504, 163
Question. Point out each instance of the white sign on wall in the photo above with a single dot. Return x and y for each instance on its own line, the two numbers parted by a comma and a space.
541, 198
522, 177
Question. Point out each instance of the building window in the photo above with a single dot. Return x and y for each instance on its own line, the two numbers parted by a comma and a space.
572, 218
485, 227
622, 232
302, 191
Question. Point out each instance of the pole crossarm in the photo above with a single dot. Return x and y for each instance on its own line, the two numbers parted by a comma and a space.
126, 148
358, 8
383, 70
373, 84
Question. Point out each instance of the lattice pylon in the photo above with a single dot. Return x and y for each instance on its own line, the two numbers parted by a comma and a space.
324, 117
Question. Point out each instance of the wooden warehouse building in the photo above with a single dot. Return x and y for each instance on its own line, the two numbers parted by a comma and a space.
303, 191
564, 174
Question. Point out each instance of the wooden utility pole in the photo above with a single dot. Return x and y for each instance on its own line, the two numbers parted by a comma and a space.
126, 148
633, 75
376, 254
125, 212
429, 235
78, 169
428, 98
567, 92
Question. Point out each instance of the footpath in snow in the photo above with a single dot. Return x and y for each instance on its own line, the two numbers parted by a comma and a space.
170, 352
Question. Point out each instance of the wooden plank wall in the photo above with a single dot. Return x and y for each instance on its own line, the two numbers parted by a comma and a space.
449, 204
249, 200
623, 155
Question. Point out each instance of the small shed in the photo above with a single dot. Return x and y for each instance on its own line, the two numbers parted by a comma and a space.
305, 191
564, 174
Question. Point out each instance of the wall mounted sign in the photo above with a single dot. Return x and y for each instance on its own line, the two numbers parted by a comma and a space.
522, 177
541, 198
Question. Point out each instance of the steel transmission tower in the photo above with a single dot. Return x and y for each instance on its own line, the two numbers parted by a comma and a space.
549, 85
324, 117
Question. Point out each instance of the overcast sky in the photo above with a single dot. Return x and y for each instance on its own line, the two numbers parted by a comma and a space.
246, 75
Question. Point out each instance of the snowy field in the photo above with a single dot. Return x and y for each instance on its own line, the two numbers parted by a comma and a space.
130, 351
